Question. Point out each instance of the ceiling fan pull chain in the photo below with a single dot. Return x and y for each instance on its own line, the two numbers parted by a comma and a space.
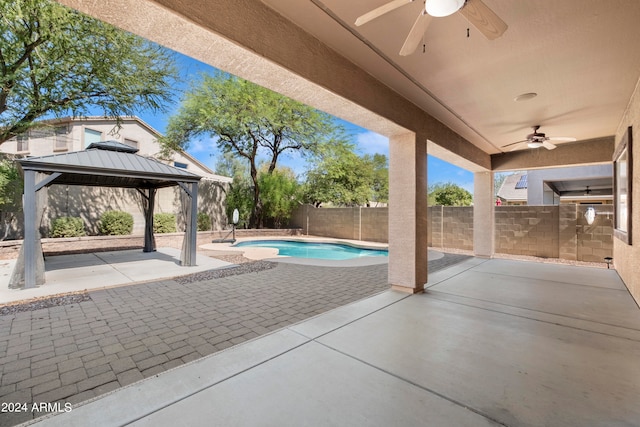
468, 32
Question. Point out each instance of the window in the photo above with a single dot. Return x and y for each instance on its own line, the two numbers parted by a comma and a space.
91, 136
23, 143
622, 178
180, 165
60, 138
131, 143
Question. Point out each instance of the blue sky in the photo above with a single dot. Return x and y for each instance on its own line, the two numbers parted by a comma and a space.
367, 142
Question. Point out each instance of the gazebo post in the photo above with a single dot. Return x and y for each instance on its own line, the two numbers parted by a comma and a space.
194, 224
30, 229
149, 240
189, 244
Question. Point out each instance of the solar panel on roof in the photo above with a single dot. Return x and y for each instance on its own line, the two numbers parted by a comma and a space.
522, 182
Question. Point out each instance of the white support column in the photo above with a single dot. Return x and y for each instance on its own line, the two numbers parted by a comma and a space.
408, 213
483, 215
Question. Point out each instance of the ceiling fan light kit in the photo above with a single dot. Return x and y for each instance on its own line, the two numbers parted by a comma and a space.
534, 144
440, 8
475, 11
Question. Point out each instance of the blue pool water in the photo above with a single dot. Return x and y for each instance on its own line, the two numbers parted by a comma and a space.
315, 250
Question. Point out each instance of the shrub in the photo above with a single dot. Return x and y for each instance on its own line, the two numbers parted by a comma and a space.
204, 222
67, 226
164, 223
116, 223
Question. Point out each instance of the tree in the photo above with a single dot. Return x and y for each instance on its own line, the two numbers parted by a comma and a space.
449, 194
280, 189
55, 61
248, 121
339, 176
10, 193
239, 195
380, 184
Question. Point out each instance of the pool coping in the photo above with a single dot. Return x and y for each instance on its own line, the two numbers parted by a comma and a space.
271, 254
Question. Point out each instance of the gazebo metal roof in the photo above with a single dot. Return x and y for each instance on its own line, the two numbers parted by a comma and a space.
109, 164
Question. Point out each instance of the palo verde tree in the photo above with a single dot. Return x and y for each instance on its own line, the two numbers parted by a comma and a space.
449, 194
56, 61
250, 122
340, 177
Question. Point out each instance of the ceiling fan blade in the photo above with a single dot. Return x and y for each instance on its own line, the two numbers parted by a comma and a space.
548, 145
561, 138
416, 33
385, 8
484, 19
514, 143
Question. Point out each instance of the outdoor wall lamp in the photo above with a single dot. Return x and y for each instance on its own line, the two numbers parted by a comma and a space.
439, 8
590, 215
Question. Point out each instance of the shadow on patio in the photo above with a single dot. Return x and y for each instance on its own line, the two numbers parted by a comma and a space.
492, 342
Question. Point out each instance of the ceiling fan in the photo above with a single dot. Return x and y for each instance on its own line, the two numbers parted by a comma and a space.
537, 140
478, 13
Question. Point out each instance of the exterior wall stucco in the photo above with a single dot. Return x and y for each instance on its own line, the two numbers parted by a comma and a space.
626, 258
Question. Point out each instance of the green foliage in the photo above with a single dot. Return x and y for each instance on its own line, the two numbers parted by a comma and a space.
164, 223
240, 193
56, 61
67, 226
116, 223
204, 222
280, 192
250, 122
341, 177
449, 194
10, 185
380, 185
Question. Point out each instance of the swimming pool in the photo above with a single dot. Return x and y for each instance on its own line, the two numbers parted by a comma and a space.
315, 250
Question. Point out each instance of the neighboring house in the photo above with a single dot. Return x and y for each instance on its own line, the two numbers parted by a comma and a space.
75, 134
513, 191
578, 185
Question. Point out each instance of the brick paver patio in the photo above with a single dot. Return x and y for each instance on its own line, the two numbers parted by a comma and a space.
72, 353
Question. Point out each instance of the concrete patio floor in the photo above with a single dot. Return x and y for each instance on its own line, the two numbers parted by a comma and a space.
77, 272
492, 342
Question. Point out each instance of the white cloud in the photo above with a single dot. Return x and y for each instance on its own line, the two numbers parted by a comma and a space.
372, 143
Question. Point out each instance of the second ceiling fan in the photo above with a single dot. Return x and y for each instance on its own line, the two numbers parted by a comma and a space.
478, 13
537, 140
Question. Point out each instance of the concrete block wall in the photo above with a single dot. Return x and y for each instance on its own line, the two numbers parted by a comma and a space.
374, 224
340, 223
457, 227
434, 229
543, 231
371, 224
527, 230
594, 242
567, 237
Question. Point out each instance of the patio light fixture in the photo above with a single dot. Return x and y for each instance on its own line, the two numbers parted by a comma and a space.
590, 215
440, 8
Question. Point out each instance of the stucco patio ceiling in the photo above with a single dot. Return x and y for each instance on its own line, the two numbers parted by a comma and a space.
579, 56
